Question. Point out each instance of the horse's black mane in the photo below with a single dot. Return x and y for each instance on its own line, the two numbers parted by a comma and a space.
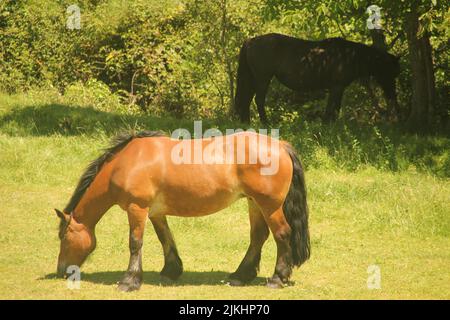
117, 143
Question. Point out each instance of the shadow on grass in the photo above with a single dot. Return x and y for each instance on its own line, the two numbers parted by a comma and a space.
72, 120
215, 278
343, 144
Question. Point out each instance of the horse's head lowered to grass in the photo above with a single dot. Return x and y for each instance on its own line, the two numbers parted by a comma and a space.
77, 242
385, 68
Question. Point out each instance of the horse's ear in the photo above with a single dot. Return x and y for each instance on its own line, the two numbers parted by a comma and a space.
62, 215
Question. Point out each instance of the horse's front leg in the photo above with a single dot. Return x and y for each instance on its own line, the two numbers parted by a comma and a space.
333, 104
137, 216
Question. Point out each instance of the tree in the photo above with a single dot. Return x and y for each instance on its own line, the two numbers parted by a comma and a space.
412, 25
422, 80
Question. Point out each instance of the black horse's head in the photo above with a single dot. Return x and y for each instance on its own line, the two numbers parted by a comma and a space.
385, 68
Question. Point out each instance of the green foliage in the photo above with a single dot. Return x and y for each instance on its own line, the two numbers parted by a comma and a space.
180, 56
163, 56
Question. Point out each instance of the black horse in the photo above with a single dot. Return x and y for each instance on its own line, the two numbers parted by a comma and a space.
309, 65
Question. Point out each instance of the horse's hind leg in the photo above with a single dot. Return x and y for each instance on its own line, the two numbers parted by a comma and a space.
259, 232
173, 266
282, 234
260, 98
244, 98
137, 216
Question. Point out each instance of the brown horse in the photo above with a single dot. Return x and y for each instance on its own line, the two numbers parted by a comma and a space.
138, 172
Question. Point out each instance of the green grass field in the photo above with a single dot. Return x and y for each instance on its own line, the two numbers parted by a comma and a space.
398, 220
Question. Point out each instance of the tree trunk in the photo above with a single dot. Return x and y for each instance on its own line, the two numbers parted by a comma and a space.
422, 80
378, 41
430, 79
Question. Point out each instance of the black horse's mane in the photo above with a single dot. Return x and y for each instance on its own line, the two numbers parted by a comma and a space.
117, 143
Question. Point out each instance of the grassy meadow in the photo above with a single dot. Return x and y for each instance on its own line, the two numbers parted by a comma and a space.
373, 201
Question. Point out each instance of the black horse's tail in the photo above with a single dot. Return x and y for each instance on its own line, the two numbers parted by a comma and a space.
295, 210
245, 87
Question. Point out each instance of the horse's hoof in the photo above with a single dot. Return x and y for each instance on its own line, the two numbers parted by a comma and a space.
129, 284
170, 276
275, 284
172, 271
126, 287
164, 280
242, 278
236, 283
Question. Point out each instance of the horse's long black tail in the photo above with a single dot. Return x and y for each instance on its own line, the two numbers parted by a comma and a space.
245, 86
295, 209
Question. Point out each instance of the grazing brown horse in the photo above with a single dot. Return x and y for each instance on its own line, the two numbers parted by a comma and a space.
138, 172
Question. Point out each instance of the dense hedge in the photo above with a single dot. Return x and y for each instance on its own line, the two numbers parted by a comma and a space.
157, 54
